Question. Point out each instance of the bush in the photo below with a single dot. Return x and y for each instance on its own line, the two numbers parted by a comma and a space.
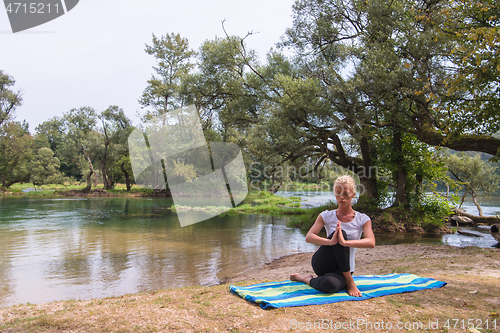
432, 211
366, 205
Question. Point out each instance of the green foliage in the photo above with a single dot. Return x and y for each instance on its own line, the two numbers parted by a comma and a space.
52, 132
473, 173
399, 100
9, 99
90, 144
365, 204
474, 27
182, 173
172, 55
397, 90
45, 168
16, 143
432, 211
15, 153
419, 162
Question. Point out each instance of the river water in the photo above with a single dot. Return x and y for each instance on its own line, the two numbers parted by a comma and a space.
82, 248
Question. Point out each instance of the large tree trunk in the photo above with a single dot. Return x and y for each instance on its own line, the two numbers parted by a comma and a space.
401, 174
369, 178
474, 200
104, 175
91, 168
127, 176
89, 181
463, 198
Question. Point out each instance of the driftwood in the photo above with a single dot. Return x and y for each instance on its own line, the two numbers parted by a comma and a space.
479, 219
466, 233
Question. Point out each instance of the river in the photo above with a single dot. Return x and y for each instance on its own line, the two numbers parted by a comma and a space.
82, 248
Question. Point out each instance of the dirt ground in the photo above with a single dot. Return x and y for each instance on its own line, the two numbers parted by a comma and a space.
470, 301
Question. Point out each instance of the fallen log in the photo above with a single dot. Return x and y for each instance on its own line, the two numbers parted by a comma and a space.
478, 219
466, 233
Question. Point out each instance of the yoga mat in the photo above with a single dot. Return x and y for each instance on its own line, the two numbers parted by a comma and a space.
290, 293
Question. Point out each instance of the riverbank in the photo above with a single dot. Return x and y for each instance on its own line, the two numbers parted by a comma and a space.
471, 297
433, 217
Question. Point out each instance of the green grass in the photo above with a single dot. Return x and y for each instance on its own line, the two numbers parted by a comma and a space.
56, 189
22, 186
257, 202
40, 193
268, 209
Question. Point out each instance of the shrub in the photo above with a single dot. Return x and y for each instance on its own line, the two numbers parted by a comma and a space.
432, 211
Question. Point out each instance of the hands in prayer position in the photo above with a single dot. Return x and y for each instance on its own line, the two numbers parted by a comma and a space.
338, 237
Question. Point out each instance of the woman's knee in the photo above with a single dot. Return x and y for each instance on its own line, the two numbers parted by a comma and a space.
328, 283
332, 286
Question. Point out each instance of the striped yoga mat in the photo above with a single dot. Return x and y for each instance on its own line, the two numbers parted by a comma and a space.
289, 293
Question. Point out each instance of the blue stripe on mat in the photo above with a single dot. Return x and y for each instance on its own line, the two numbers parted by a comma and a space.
289, 293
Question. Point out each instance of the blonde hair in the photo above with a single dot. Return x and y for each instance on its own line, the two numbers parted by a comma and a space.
346, 179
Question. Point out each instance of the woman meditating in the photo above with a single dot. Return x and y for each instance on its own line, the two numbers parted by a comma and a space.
334, 262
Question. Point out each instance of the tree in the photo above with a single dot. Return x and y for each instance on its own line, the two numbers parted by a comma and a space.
398, 55
45, 168
89, 144
9, 100
15, 140
279, 111
52, 131
15, 153
125, 166
173, 56
114, 130
474, 175
79, 135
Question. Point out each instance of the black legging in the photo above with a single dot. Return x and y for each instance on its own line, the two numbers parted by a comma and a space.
328, 263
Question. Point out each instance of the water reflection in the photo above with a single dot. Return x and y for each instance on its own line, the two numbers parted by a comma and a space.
55, 249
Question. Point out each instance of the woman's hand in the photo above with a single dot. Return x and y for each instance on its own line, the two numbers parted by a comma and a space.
340, 236
335, 237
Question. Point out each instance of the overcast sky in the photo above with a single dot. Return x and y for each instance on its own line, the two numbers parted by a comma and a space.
94, 54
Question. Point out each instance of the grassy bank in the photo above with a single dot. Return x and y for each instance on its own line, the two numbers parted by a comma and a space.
471, 297
60, 190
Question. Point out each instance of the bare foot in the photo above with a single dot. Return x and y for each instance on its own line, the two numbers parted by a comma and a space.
301, 278
353, 290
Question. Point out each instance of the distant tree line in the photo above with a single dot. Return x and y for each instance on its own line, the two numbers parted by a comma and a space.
384, 89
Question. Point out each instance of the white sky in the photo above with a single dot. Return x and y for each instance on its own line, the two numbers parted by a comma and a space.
94, 54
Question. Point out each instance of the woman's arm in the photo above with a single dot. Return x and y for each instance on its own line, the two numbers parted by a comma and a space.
367, 242
312, 235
